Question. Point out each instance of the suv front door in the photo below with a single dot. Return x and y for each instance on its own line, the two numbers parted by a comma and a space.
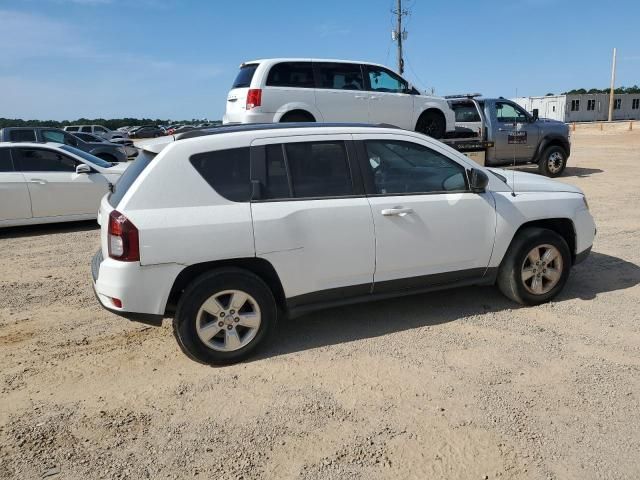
390, 100
430, 229
55, 187
516, 135
312, 220
340, 92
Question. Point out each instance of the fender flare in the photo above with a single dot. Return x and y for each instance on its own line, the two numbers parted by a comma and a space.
552, 138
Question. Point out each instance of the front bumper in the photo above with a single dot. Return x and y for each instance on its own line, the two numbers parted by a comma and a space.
142, 290
582, 256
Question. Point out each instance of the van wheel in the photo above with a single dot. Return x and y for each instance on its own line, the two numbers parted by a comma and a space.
553, 161
535, 268
432, 124
223, 316
295, 117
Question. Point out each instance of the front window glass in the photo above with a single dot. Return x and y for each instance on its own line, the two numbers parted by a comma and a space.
53, 136
507, 113
87, 156
403, 167
382, 80
40, 160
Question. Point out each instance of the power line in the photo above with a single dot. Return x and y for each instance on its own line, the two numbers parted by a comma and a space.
398, 34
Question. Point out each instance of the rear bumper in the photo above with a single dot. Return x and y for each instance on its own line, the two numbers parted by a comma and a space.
143, 291
247, 117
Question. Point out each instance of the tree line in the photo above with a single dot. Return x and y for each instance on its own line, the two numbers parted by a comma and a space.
582, 91
112, 124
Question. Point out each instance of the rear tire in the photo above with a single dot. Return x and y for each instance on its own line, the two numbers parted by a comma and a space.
531, 279
207, 327
432, 123
553, 161
296, 117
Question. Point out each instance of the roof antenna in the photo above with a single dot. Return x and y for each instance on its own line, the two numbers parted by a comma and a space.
515, 140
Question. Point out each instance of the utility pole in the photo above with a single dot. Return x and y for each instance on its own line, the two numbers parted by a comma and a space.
398, 35
613, 81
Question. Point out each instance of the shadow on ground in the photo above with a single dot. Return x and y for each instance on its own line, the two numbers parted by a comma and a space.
580, 172
599, 274
48, 229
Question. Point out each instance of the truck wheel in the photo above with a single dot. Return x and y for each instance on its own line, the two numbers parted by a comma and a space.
432, 124
535, 268
553, 161
223, 316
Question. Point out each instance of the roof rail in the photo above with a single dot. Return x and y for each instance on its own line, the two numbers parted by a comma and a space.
248, 127
464, 95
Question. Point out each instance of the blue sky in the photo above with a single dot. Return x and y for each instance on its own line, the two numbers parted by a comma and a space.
64, 59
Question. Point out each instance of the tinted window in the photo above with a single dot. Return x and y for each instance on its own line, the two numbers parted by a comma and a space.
382, 80
53, 136
227, 171
22, 135
291, 74
341, 76
318, 169
507, 113
38, 160
404, 167
277, 180
129, 176
87, 156
101, 129
466, 113
5, 160
86, 129
71, 129
245, 75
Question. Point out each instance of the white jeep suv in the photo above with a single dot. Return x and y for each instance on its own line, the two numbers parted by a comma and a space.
226, 229
313, 90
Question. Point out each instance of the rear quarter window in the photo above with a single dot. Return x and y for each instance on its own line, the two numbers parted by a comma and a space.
291, 74
226, 171
245, 75
129, 176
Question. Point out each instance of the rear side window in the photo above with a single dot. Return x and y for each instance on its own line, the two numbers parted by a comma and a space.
340, 76
22, 136
308, 170
129, 176
245, 75
86, 129
6, 165
227, 171
291, 74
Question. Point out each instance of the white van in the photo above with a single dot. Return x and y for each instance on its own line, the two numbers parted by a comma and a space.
313, 90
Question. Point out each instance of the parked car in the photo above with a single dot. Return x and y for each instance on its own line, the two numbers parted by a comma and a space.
171, 130
51, 182
184, 128
506, 134
148, 131
302, 90
126, 143
227, 227
97, 130
107, 151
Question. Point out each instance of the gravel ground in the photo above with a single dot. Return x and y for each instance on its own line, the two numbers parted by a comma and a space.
458, 384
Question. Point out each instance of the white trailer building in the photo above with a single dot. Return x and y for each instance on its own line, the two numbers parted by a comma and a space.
587, 107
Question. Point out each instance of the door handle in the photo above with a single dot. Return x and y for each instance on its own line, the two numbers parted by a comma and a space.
396, 211
39, 181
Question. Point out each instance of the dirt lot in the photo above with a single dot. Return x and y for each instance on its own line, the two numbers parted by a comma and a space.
461, 384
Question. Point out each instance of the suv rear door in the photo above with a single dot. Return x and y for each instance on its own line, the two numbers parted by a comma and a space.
340, 92
312, 221
15, 203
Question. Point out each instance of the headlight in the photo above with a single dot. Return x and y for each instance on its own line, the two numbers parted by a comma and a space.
586, 204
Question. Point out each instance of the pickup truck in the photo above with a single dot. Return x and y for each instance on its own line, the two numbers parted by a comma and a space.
496, 132
109, 152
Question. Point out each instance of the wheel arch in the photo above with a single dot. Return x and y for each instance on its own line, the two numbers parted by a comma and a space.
298, 107
552, 141
258, 266
562, 226
428, 109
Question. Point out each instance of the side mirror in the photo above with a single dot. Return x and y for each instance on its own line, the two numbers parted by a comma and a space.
478, 180
83, 168
535, 115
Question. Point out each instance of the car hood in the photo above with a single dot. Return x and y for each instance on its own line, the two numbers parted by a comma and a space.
531, 182
118, 168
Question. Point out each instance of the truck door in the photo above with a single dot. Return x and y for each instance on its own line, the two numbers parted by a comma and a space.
516, 134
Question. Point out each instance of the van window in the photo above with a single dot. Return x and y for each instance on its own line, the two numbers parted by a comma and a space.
291, 74
382, 80
308, 170
245, 75
6, 165
71, 129
227, 171
22, 135
86, 129
340, 76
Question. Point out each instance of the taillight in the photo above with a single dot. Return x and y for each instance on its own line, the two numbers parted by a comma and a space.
123, 238
254, 98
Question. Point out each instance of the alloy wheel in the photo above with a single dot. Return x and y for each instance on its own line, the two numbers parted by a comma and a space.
542, 269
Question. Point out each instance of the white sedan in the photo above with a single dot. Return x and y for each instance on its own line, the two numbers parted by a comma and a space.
51, 182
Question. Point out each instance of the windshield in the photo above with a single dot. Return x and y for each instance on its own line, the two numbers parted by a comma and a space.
87, 156
129, 176
245, 75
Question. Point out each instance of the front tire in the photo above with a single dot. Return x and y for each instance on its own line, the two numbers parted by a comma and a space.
223, 316
433, 124
553, 161
535, 268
